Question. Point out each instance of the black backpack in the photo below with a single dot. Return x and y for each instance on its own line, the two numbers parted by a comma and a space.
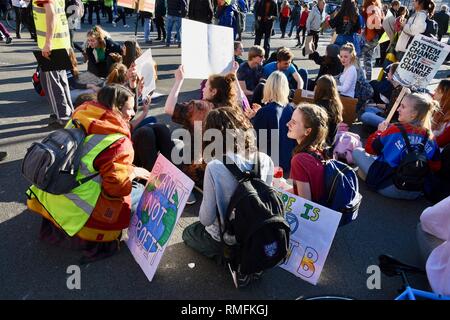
413, 169
255, 217
52, 164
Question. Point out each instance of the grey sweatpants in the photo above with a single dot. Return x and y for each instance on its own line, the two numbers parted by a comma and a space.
57, 91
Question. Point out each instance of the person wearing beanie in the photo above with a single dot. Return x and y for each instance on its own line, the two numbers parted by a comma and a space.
329, 63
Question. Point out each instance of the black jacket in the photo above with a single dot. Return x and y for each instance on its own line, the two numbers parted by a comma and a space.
328, 65
160, 8
201, 10
101, 69
442, 19
177, 8
260, 10
343, 26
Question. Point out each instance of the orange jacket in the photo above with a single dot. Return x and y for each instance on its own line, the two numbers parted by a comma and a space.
115, 165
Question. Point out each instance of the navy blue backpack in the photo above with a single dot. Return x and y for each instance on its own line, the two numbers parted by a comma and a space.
341, 189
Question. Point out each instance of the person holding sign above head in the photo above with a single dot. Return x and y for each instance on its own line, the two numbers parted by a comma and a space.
219, 183
95, 213
395, 145
416, 24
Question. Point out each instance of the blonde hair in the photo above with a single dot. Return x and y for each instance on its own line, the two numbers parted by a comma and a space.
117, 74
350, 48
276, 89
425, 106
98, 33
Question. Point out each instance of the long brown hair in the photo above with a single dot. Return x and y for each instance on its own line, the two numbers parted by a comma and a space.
98, 33
316, 118
326, 89
443, 114
73, 60
117, 74
225, 87
350, 9
233, 126
128, 59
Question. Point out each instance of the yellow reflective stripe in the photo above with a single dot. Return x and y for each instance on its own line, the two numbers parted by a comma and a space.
57, 35
89, 158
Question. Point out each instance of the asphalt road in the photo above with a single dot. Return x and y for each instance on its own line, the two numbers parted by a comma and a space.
30, 269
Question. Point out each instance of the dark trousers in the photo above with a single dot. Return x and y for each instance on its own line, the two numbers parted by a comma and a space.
109, 13
148, 140
315, 35
264, 29
121, 15
23, 18
93, 5
283, 24
160, 27
303, 30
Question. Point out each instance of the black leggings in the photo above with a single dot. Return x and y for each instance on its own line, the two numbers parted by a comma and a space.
148, 141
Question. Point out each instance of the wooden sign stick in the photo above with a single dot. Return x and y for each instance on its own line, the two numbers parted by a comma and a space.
396, 104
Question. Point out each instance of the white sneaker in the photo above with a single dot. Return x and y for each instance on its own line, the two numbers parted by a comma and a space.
126, 26
114, 24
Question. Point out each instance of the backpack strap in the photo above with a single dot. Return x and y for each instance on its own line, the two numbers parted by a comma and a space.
237, 173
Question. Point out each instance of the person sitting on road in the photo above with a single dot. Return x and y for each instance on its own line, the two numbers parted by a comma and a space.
327, 96
97, 229
308, 126
250, 72
374, 114
283, 64
273, 117
349, 77
441, 118
98, 53
76, 87
414, 115
219, 91
219, 183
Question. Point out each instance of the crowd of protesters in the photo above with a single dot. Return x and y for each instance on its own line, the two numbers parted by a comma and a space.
258, 93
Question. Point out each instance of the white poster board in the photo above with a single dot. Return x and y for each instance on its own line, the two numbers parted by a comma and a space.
313, 228
157, 214
206, 49
421, 62
145, 67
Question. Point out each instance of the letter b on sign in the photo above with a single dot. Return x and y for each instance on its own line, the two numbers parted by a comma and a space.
74, 279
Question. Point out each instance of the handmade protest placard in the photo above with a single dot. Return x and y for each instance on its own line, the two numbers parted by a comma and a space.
147, 5
131, 4
313, 228
145, 67
157, 214
421, 62
205, 49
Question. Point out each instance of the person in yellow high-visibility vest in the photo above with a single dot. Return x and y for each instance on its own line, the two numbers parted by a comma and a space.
52, 33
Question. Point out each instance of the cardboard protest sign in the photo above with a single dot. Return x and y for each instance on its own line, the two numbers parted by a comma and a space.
313, 228
206, 49
145, 67
147, 5
131, 4
421, 62
157, 214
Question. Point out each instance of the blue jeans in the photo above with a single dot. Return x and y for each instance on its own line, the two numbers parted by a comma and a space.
136, 194
370, 117
170, 21
147, 27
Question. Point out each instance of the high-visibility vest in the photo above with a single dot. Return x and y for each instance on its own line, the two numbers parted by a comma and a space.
61, 36
71, 211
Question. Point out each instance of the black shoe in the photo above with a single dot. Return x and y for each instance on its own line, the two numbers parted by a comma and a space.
3, 155
8, 40
18, 36
158, 39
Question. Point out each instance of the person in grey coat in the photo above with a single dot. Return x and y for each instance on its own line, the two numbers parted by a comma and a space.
442, 17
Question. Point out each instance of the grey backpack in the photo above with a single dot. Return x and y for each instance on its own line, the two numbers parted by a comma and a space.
52, 164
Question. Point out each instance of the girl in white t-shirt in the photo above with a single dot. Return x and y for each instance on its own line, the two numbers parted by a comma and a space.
347, 79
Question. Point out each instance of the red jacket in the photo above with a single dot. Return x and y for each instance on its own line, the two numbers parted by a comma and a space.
303, 18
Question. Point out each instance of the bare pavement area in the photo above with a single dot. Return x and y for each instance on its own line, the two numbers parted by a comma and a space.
31, 269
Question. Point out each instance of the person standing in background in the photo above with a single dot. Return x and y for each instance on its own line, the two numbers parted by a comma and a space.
93, 5
53, 33
314, 21
160, 14
176, 10
295, 15
442, 17
201, 10
266, 13
22, 17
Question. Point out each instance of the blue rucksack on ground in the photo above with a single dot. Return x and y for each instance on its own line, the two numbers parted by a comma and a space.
341, 189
